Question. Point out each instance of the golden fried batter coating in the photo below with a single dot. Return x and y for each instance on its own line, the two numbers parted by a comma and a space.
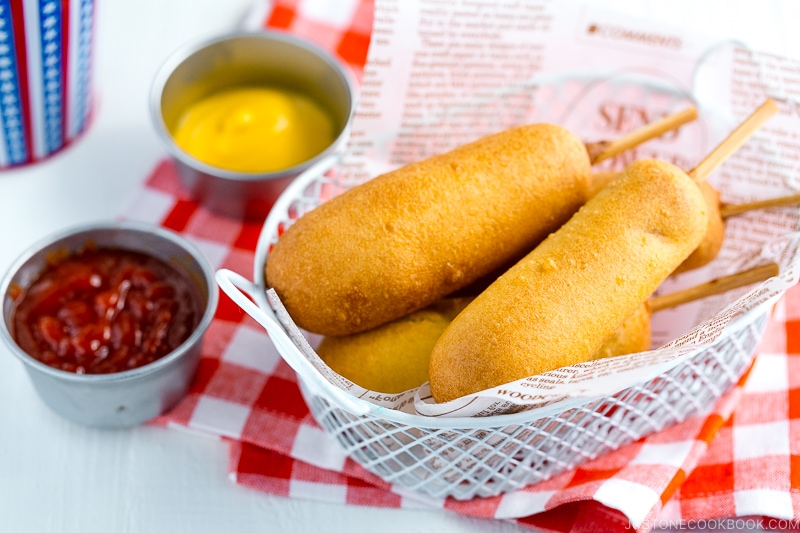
393, 357
405, 239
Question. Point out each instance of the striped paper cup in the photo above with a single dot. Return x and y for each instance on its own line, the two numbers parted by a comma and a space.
45, 77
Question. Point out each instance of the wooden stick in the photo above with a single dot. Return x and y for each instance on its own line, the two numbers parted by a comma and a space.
729, 210
602, 150
715, 158
715, 286
733, 141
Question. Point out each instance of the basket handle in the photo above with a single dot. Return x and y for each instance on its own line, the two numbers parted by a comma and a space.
242, 291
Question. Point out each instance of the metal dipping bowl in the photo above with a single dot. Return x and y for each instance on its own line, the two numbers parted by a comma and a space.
262, 58
130, 397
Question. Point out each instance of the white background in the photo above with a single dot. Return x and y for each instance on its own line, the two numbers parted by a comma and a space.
59, 477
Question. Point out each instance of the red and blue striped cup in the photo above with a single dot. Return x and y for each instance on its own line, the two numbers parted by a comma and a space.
45, 77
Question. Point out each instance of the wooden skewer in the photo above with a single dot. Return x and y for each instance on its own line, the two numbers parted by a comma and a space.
733, 141
602, 150
715, 286
719, 154
729, 210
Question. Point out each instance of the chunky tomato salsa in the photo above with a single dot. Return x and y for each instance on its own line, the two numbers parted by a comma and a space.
105, 310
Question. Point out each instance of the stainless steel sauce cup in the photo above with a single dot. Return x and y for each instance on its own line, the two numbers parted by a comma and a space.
129, 397
247, 58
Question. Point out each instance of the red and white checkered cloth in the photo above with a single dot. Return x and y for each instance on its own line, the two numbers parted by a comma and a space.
742, 460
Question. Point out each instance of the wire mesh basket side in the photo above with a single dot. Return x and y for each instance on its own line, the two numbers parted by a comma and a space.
474, 461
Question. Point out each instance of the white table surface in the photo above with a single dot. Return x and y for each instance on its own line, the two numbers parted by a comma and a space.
59, 477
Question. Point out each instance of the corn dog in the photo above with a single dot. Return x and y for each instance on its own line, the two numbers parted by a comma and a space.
718, 213
713, 241
634, 334
405, 239
559, 304
393, 357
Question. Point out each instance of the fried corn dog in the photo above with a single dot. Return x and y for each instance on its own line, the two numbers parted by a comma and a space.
407, 238
718, 213
712, 243
393, 357
559, 304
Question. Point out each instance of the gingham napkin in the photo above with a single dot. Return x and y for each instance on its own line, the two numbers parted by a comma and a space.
730, 463
740, 461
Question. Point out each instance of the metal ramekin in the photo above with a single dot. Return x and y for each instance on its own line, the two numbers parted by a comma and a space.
130, 397
247, 58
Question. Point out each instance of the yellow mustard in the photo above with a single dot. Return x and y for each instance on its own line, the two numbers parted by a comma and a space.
254, 129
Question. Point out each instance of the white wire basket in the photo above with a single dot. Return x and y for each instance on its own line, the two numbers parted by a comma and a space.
464, 458
482, 457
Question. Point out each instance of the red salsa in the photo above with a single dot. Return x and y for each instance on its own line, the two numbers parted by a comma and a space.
105, 310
